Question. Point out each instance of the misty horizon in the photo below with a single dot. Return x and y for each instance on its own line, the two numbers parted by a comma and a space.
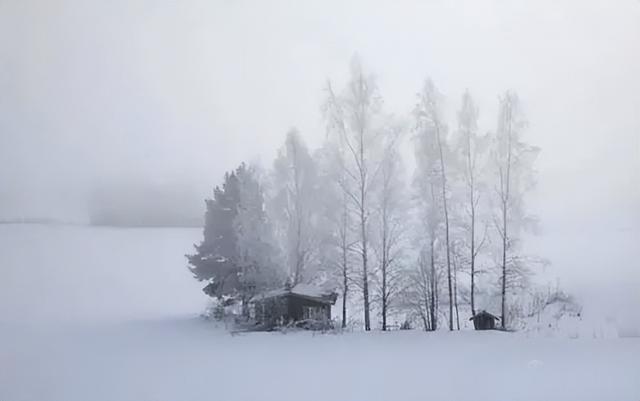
113, 114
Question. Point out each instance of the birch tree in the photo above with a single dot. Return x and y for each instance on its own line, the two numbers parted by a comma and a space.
295, 206
422, 291
428, 209
433, 133
471, 152
352, 118
338, 241
513, 167
345, 247
390, 220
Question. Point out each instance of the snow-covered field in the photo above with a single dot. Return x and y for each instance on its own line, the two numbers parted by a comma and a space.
189, 359
111, 314
56, 273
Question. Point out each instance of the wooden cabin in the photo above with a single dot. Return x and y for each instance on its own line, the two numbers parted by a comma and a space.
303, 306
484, 320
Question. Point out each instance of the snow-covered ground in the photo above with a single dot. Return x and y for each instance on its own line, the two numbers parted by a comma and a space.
190, 359
58, 273
111, 314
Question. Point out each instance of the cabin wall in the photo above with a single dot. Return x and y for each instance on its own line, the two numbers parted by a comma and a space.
271, 311
285, 309
298, 305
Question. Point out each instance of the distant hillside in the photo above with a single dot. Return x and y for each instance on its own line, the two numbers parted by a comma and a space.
146, 206
30, 220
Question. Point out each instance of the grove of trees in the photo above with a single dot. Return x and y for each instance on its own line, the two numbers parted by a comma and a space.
428, 247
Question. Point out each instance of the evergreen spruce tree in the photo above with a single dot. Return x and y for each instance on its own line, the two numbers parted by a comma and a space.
215, 259
238, 256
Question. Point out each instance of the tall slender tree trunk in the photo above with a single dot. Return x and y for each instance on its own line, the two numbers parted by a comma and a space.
298, 217
385, 263
384, 291
504, 266
365, 278
344, 298
345, 287
365, 274
449, 283
471, 154
426, 316
425, 295
384, 303
472, 203
505, 204
363, 220
473, 257
425, 320
446, 224
345, 267
434, 291
298, 268
455, 295
299, 254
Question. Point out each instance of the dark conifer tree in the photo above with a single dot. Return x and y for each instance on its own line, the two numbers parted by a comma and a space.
216, 258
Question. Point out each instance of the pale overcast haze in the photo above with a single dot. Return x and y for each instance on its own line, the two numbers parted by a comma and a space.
176, 93
119, 117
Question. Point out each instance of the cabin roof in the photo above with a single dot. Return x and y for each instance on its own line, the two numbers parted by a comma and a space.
305, 291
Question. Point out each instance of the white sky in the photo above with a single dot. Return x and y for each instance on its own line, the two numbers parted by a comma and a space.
180, 91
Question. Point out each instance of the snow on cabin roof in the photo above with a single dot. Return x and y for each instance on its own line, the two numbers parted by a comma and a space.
484, 313
308, 291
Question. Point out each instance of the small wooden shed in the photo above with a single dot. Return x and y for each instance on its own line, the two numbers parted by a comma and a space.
484, 320
308, 305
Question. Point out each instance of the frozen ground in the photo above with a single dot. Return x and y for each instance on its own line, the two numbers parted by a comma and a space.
189, 359
109, 314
